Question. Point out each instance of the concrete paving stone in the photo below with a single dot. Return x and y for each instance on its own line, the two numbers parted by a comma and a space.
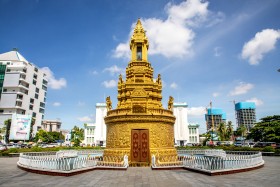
268, 176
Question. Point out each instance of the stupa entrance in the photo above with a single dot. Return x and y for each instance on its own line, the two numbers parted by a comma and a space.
140, 145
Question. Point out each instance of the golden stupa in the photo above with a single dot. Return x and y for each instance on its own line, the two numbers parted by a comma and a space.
139, 127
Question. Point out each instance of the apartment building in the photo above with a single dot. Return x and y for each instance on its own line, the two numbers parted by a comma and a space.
214, 117
23, 89
245, 114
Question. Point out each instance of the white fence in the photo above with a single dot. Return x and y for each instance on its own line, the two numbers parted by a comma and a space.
206, 152
68, 161
209, 161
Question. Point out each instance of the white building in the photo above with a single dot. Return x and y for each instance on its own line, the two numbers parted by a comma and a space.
51, 125
184, 133
100, 126
193, 133
23, 88
89, 134
181, 124
96, 133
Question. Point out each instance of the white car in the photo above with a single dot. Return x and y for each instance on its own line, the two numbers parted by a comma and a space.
3, 147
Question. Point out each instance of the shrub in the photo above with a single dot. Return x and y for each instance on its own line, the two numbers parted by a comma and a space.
268, 149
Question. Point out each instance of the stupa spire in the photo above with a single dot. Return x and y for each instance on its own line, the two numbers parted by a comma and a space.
139, 43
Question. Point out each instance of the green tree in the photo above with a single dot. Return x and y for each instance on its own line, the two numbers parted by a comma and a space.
7, 124
77, 135
229, 131
267, 130
43, 136
222, 131
56, 135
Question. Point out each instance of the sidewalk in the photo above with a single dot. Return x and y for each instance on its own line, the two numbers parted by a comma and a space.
268, 176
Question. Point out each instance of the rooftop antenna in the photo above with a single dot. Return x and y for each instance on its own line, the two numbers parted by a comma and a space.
15, 49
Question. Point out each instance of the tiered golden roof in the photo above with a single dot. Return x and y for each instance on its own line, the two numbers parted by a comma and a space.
139, 108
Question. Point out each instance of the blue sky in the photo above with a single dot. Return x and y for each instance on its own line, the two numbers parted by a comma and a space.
216, 51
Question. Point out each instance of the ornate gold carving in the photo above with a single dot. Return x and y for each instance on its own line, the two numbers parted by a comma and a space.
139, 108
138, 92
170, 103
108, 103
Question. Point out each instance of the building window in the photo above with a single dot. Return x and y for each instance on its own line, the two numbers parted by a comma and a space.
36, 96
44, 87
31, 100
35, 76
37, 90
5, 90
36, 69
45, 82
42, 104
34, 114
34, 82
41, 110
19, 96
30, 107
1, 111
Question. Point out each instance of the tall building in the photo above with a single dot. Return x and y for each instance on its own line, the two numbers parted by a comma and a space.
214, 117
95, 134
23, 88
181, 130
100, 126
245, 114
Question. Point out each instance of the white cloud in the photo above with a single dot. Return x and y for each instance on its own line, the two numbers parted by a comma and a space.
196, 111
114, 70
172, 37
257, 101
173, 85
215, 94
215, 18
262, 43
110, 84
242, 88
53, 83
56, 104
85, 119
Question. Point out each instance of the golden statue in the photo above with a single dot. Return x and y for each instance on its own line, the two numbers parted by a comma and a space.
139, 127
108, 103
170, 103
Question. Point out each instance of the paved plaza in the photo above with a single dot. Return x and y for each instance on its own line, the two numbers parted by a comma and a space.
267, 176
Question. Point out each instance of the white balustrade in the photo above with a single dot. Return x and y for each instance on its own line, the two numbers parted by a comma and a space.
70, 160
211, 160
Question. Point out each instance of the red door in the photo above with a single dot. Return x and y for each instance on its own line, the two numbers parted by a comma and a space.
140, 145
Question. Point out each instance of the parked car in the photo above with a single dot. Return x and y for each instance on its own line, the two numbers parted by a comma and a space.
52, 145
12, 145
264, 144
3, 147
238, 144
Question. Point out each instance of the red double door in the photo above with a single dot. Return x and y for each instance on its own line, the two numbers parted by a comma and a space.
140, 145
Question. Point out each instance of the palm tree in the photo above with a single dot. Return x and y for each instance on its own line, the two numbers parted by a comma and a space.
229, 130
222, 131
